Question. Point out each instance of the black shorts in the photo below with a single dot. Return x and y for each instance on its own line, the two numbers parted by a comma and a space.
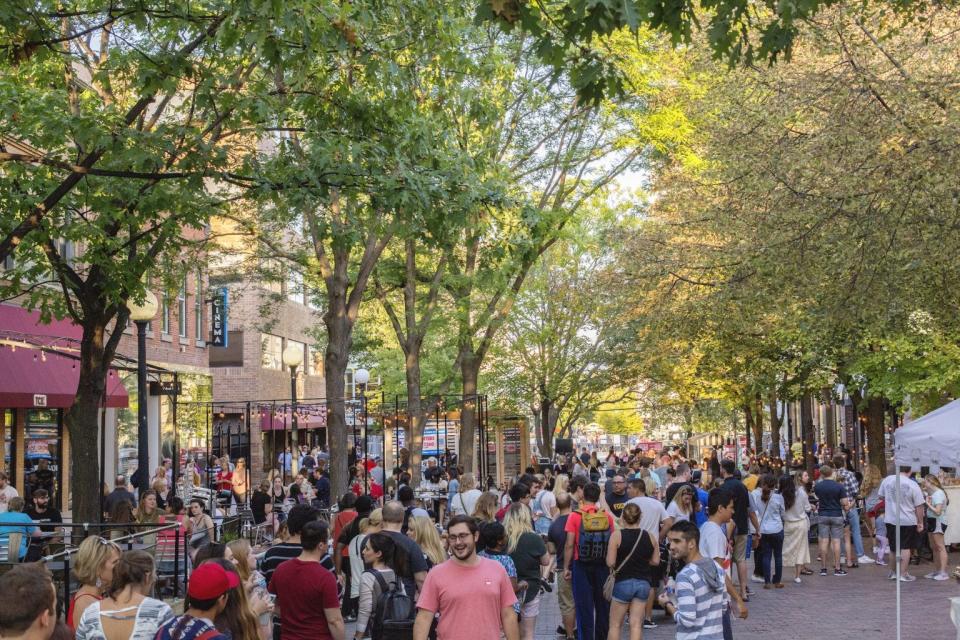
909, 536
932, 526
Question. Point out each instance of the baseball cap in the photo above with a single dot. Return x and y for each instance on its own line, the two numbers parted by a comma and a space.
210, 581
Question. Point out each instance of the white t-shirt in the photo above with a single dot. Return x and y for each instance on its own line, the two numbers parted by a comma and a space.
463, 503
673, 510
713, 540
652, 514
548, 502
5, 494
902, 512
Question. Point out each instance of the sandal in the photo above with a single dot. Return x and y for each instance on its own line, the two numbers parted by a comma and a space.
806, 572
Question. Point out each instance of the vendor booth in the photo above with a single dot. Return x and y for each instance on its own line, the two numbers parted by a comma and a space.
931, 442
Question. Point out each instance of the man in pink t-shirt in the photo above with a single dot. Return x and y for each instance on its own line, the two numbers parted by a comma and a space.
469, 592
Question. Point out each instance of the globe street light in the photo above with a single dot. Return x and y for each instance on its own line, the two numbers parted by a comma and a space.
292, 357
362, 377
142, 313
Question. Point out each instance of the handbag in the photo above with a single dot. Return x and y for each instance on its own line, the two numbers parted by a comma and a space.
611, 580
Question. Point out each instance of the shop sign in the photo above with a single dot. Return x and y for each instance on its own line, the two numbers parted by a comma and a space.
220, 333
39, 399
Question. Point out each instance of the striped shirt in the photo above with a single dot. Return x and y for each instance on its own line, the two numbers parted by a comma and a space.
699, 614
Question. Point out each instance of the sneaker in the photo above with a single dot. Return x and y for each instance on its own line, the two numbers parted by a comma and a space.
823, 572
907, 578
931, 575
839, 572
797, 580
649, 624
940, 577
892, 575
865, 559
750, 592
756, 579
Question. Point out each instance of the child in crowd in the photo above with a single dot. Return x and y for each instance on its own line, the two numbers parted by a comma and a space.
882, 547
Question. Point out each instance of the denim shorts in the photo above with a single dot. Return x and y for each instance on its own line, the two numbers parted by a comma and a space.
624, 591
830, 527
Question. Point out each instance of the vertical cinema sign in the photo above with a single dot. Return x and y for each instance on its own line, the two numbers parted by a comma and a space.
218, 321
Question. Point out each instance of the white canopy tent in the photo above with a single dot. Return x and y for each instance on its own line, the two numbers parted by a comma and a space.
930, 441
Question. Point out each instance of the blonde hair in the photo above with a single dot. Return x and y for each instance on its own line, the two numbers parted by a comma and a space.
426, 535
486, 507
467, 482
678, 498
241, 556
93, 553
516, 522
561, 483
375, 519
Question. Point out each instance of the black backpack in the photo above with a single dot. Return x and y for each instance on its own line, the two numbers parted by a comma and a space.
393, 613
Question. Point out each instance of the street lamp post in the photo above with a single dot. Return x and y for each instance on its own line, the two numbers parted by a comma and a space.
292, 357
362, 377
142, 313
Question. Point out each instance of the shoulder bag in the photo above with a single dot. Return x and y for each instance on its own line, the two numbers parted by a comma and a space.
612, 578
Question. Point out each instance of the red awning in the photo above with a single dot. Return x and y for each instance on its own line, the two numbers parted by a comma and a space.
28, 374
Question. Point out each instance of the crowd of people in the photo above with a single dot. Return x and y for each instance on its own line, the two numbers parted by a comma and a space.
614, 542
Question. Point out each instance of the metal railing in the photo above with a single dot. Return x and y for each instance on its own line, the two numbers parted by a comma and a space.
173, 562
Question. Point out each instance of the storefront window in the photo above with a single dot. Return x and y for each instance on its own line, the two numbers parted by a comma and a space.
42, 441
9, 443
126, 452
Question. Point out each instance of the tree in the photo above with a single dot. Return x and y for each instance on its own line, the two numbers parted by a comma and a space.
118, 117
573, 35
567, 339
369, 155
806, 246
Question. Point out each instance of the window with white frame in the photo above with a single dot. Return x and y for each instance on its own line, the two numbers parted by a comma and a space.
271, 351
295, 289
198, 307
182, 307
165, 315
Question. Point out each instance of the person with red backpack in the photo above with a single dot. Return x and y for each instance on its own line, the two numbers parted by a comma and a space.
584, 560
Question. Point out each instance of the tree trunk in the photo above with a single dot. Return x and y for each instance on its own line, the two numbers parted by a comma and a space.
415, 417
830, 420
758, 423
748, 418
876, 432
548, 422
82, 423
335, 360
806, 429
774, 425
470, 372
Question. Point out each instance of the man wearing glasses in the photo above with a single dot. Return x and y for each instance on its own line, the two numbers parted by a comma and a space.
469, 592
615, 495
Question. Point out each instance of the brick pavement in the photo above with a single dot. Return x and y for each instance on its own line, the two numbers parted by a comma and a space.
858, 606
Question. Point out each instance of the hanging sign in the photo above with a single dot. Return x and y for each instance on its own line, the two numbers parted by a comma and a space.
219, 337
39, 400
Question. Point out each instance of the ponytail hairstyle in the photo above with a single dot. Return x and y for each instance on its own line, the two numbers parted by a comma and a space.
935, 481
134, 568
769, 483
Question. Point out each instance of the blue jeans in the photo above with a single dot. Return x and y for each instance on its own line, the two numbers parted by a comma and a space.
853, 518
771, 547
626, 591
592, 609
